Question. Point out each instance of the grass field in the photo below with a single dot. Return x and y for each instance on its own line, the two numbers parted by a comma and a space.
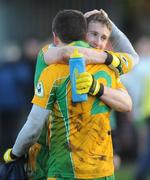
126, 172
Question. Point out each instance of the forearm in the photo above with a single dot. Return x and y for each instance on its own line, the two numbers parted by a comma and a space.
31, 131
121, 43
55, 55
117, 99
93, 56
62, 55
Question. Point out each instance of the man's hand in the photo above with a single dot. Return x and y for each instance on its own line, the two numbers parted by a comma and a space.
9, 157
104, 13
95, 11
86, 83
90, 13
113, 62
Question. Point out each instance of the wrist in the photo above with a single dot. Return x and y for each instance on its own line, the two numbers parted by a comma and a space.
9, 156
101, 90
97, 89
112, 60
108, 59
94, 89
13, 156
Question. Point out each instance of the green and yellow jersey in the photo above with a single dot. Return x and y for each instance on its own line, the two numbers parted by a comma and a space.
125, 60
38, 153
37, 162
40, 64
80, 133
125, 65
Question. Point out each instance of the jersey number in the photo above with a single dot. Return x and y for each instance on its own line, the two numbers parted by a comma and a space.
98, 106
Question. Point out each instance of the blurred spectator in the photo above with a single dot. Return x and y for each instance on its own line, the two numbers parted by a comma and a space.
15, 77
30, 50
116, 145
127, 136
138, 84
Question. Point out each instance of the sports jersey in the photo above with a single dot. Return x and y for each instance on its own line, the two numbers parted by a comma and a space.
39, 68
125, 63
124, 67
44, 140
80, 138
38, 153
125, 60
40, 64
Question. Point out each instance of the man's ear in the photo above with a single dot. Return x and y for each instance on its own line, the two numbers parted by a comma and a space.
55, 39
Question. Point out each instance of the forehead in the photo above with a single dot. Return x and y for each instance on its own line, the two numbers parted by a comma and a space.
95, 26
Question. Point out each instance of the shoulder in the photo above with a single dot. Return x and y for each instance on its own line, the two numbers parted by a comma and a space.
45, 48
100, 68
57, 69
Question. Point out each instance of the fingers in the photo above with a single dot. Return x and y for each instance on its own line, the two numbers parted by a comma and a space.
103, 12
7, 157
84, 77
83, 82
83, 85
95, 11
90, 13
83, 74
83, 91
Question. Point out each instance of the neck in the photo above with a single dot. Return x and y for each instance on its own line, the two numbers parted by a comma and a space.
60, 44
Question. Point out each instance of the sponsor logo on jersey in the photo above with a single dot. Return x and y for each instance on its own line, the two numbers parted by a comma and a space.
39, 91
125, 60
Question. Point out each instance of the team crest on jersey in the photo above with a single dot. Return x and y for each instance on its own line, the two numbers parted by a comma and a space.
125, 60
39, 91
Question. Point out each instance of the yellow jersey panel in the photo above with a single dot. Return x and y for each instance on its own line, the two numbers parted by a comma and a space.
80, 142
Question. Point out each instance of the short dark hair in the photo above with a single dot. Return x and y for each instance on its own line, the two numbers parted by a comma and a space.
70, 25
100, 17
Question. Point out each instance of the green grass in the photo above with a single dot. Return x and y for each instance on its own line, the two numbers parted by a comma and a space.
126, 172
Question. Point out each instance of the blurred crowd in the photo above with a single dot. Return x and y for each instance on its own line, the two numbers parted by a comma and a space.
138, 84
131, 131
17, 66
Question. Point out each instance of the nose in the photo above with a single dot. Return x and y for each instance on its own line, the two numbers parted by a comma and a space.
99, 43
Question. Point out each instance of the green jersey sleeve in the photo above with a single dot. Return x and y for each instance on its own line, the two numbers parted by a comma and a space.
40, 64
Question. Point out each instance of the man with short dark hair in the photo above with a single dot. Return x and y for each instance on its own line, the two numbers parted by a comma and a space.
69, 34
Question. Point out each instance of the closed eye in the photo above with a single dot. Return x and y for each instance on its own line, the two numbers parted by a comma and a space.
104, 38
94, 33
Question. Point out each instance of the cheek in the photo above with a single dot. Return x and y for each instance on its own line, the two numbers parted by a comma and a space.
90, 38
104, 44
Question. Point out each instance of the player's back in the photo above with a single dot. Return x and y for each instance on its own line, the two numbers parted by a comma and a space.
81, 143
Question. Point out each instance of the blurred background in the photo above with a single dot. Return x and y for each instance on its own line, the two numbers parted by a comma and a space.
25, 26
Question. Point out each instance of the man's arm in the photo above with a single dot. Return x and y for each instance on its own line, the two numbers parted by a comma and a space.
121, 44
125, 61
31, 130
118, 99
119, 41
62, 54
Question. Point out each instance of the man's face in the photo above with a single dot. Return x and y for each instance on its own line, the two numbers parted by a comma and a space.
97, 35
